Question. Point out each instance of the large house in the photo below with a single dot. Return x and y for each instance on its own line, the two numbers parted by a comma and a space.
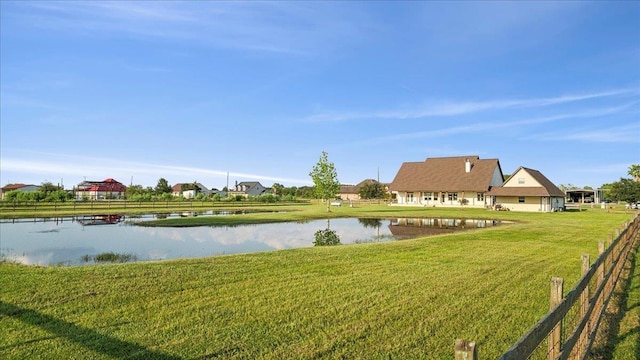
248, 188
447, 181
528, 190
18, 187
100, 190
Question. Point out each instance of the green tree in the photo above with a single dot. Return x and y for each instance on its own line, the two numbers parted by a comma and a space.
372, 190
325, 179
162, 187
305, 192
137, 192
634, 171
625, 190
565, 187
47, 187
278, 189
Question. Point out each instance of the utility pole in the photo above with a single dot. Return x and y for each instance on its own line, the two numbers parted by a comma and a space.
379, 186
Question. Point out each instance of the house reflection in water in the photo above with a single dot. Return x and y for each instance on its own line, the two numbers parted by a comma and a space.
403, 228
100, 219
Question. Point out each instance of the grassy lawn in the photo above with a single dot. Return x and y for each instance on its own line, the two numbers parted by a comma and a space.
406, 299
626, 342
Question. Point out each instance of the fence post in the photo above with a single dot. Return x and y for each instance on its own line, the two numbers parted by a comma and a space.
465, 350
584, 306
556, 333
599, 280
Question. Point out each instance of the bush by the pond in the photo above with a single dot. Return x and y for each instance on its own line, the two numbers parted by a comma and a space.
326, 237
109, 257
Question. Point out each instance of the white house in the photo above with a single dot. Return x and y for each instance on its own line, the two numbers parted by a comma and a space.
446, 181
528, 190
189, 190
100, 190
247, 188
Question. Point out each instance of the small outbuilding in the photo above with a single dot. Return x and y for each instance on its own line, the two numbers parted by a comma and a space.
527, 190
584, 196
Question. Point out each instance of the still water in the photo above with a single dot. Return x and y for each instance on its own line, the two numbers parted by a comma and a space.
76, 240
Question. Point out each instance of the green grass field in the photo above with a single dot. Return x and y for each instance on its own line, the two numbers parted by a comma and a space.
405, 299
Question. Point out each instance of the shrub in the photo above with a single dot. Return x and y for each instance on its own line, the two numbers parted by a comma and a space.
326, 237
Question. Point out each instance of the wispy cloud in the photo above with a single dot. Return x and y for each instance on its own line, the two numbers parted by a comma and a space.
77, 167
452, 108
625, 134
492, 126
297, 28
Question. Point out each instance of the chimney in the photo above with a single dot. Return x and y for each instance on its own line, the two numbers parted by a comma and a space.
467, 165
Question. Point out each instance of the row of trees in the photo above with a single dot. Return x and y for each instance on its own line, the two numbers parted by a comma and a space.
47, 193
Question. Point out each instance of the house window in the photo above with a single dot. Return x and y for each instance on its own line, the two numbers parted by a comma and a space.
480, 196
410, 197
521, 181
453, 196
428, 196
521, 199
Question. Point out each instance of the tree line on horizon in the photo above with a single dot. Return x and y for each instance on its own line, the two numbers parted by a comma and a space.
326, 186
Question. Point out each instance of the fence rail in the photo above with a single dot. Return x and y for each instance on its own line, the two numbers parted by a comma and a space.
571, 325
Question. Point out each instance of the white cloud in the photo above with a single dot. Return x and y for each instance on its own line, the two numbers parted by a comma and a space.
53, 166
492, 126
297, 28
628, 134
452, 108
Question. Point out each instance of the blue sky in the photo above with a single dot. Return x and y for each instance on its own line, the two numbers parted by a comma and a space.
191, 91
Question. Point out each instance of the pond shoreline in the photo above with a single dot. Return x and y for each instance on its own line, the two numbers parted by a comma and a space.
80, 240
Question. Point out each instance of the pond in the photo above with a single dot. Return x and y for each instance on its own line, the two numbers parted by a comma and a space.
88, 239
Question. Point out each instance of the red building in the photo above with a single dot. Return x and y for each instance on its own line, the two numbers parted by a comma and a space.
100, 190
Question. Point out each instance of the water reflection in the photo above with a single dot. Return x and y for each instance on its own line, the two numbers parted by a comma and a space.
370, 223
100, 219
116, 218
66, 241
415, 227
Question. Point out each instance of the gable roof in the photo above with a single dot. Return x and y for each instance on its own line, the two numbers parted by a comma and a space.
178, 187
13, 187
446, 174
107, 185
250, 184
354, 189
546, 188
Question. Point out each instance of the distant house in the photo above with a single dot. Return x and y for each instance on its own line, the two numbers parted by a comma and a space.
100, 190
248, 188
215, 191
189, 190
18, 187
352, 192
446, 181
528, 190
